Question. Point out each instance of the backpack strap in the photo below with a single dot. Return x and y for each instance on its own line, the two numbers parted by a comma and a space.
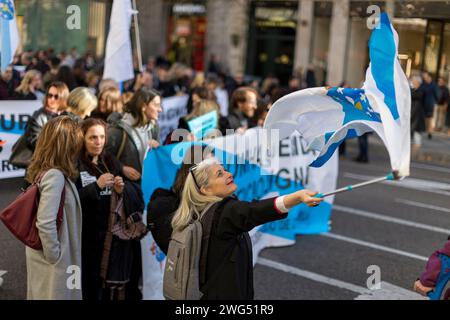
122, 144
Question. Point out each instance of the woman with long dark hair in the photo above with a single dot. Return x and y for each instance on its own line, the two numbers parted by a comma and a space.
107, 261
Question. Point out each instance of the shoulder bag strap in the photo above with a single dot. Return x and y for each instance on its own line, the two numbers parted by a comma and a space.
122, 144
108, 240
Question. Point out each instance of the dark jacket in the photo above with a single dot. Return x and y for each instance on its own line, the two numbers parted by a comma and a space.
235, 120
22, 96
131, 155
431, 96
417, 110
163, 203
34, 126
445, 95
433, 268
96, 204
230, 227
7, 89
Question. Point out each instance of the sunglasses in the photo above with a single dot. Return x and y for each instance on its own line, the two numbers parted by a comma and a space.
56, 96
191, 171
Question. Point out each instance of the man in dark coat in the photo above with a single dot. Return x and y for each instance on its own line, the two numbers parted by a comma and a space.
431, 96
242, 109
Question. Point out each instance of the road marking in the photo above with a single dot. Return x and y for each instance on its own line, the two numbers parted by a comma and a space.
422, 205
409, 183
311, 275
429, 167
374, 246
387, 292
382, 217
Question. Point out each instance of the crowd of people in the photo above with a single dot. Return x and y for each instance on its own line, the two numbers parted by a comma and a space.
430, 110
90, 138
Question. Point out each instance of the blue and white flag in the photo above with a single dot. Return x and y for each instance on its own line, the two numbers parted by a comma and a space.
326, 116
118, 56
9, 35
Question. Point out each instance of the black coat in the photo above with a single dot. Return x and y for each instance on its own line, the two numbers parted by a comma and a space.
35, 124
96, 211
431, 96
417, 110
230, 227
235, 120
163, 204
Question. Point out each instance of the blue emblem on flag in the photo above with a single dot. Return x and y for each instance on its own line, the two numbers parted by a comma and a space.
7, 9
354, 103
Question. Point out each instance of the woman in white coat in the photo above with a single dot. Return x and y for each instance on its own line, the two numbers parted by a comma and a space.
54, 273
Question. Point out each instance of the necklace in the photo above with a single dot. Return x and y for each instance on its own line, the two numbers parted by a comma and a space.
98, 169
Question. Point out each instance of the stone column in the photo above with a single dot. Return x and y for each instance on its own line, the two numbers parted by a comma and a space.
390, 8
338, 42
238, 36
226, 35
303, 37
153, 16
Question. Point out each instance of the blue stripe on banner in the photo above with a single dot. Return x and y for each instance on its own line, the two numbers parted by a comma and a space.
8, 127
383, 53
320, 161
251, 185
6, 55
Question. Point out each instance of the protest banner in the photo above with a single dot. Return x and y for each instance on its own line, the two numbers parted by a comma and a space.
222, 100
173, 109
14, 116
242, 155
202, 126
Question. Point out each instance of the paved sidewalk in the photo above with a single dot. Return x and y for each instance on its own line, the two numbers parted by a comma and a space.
434, 151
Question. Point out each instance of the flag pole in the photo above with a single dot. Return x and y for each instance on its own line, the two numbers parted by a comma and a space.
391, 176
137, 36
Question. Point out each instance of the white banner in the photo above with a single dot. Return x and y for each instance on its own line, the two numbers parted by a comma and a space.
173, 109
14, 116
284, 172
222, 100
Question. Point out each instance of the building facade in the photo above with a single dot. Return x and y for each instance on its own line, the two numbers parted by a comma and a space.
255, 37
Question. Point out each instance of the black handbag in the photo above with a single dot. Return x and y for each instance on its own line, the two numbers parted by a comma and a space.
21, 154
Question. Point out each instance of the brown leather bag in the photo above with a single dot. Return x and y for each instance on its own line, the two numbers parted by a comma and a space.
21, 215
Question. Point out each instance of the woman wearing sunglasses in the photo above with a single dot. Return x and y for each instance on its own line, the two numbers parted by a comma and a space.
208, 182
54, 103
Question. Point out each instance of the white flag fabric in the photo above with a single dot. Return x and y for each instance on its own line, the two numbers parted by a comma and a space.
8, 32
118, 57
326, 116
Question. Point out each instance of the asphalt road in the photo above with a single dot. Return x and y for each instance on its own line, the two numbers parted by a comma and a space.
394, 226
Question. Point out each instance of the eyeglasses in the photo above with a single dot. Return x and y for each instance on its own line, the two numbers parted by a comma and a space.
56, 96
191, 171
